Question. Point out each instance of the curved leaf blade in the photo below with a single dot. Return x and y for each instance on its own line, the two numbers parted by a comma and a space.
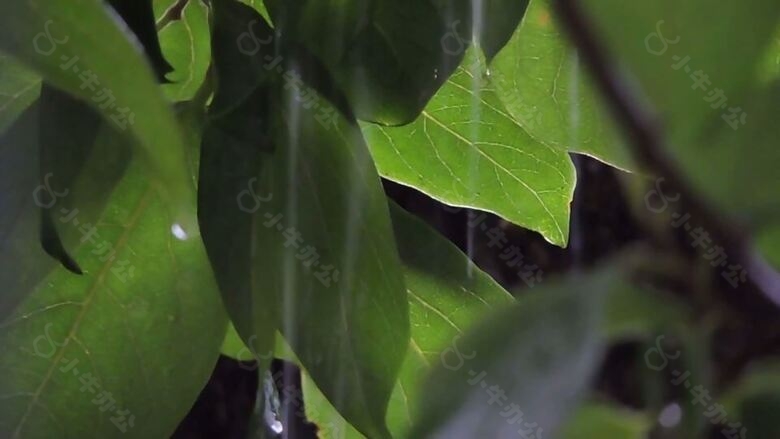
49, 34
466, 150
187, 46
553, 336
443, 301
328, 280
154, 294
539, 78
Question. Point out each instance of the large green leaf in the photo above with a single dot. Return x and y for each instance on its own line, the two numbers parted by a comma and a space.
748, 156
19, 88
676, 51
391, 56
230, 160
466, 150
538, 77
540, 355
187, 46
317, 259
445, 297
347, 320
83, 36
386, 56
647, 37
68, 129
489, 24
145, 305
437, 270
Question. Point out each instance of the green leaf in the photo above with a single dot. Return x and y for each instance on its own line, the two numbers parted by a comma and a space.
748, 156
595, 420
161, 7
500, 19
356, 346
539, 78
131, 323
235, 348
41, 34
386, 56
238, 68
345, 317
445, 295
259, 6
19, 88
632, 313
68, 129
23, 262
186, 44
665, 45
230, 160
646, 37
466, 150
547, 351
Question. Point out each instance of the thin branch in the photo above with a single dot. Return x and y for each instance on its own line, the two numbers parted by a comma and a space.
649, 148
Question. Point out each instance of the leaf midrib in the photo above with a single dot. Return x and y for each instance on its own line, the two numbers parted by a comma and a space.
499, 166
99, 278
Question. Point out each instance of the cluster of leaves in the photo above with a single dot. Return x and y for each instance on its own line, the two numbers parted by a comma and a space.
300, 107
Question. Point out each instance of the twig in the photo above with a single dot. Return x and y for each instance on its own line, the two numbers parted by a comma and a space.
649, 149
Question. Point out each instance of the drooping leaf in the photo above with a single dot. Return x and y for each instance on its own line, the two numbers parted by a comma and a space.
344, 315
652, 37
38, 181
466, 150
354, 292
19, 88
83, 37
231, 157
121, 333
748, 156
549, 347
68, 129
718, 123
186, 44
390, 57
539, 78
489, 23
21, 256
444, 300
386, 56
